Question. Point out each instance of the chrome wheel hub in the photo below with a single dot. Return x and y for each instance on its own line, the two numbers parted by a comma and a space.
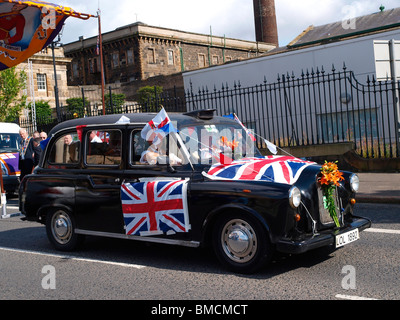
61, 227
239, 241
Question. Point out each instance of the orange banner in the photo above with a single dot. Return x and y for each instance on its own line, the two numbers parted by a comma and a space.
27, 27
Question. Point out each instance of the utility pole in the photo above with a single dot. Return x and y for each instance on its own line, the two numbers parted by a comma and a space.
55, 81
101, 62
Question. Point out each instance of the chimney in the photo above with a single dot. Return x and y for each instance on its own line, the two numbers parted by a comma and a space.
265, 21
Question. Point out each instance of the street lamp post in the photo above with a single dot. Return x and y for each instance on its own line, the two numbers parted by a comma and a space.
55, 81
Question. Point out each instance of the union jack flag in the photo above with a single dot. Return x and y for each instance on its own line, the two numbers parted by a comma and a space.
155, 207
282, 169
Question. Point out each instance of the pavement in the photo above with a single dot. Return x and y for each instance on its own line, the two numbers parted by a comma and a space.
379, 188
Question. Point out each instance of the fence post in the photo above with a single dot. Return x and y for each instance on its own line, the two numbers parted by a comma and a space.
396, 102
83, 99
3, 196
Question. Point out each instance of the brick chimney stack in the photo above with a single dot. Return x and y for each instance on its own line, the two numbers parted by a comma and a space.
265, 21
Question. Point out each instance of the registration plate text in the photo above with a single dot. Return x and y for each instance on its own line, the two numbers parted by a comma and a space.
346, 238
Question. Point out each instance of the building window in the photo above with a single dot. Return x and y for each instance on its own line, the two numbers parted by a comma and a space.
95, 65
171, 57
115, 60
215, 60
41, 82
202, 60
90, 62
75, 70
151, 56
129, 57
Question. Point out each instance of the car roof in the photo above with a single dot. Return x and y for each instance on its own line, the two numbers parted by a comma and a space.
139, 118
9, 127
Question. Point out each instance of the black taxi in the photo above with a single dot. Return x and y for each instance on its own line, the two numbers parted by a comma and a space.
202, 183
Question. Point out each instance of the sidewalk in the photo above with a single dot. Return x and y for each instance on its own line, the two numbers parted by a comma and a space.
379, 188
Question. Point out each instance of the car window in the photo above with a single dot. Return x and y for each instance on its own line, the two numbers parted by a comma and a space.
103, 147
66, 149
207, 143
9, 142
160, 153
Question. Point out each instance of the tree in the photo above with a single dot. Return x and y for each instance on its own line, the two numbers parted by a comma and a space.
11, 101
118, 99
43, 111
149, 97
75, 105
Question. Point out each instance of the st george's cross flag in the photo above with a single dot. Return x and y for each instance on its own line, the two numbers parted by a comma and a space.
281, 169
155, 207
158, 128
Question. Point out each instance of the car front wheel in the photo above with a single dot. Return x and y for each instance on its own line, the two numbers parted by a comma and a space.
60, 229
241, 243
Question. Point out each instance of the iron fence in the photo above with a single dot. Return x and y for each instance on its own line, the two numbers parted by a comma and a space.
315, 108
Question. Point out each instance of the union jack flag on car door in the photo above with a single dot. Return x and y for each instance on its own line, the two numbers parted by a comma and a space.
155, 207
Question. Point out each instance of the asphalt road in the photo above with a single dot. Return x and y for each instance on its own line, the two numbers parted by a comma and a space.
111, 269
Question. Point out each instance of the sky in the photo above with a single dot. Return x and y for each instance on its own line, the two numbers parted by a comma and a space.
230, 18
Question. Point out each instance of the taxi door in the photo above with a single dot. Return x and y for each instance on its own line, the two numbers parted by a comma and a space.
98, 202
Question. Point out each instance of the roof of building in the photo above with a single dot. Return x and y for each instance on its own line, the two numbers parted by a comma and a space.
144, 30
379, 21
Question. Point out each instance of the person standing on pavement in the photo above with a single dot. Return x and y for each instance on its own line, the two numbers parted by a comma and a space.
37, 151
26, 154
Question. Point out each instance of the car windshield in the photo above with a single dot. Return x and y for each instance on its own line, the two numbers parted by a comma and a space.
209, 144
9, 142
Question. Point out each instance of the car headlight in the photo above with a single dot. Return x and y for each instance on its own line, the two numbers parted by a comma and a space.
294, 197
354, 182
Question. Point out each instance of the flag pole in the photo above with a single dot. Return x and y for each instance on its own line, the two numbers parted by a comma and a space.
101, 62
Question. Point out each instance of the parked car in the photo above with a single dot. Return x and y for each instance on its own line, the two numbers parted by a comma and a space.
9, 156
208, 185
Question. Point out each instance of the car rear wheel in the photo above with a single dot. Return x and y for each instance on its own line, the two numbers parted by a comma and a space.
241, 243
60, 228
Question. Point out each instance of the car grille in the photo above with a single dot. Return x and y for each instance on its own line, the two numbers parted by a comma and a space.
324, 215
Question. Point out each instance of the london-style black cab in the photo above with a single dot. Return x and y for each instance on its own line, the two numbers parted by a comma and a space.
106, 176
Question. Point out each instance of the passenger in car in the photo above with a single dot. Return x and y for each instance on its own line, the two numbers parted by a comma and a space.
94, 138
70, 150
157, 154
150, 155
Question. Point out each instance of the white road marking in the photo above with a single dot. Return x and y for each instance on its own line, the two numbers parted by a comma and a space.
376, 230
348, 297
125, 265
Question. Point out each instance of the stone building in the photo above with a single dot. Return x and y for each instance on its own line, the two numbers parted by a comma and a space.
139, 52
40, 83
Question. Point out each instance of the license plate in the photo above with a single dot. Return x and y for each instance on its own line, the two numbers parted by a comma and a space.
346, 238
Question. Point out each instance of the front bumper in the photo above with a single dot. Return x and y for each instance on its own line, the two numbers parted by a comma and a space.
322, 239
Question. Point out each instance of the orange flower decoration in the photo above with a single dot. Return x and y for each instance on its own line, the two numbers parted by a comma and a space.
330, 174
234, 144
329, 180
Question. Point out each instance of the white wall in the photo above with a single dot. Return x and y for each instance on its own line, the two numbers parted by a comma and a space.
358, 55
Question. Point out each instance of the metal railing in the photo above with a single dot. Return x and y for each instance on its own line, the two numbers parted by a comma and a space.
315, 108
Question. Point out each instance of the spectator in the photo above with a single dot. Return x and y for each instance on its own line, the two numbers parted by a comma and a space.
43, 135
37, 151
26, 154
